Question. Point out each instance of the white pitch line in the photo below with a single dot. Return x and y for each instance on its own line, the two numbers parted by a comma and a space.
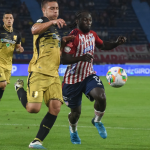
118, 128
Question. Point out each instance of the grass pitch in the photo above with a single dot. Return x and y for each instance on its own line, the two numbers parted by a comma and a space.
127, 120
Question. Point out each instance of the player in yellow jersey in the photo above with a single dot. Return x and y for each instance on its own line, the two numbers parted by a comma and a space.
10, 39
43, 79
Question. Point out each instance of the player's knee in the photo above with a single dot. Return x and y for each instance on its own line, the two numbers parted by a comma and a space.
101, 97
54, 111
33, 109
76, 115
3, 85
54, 107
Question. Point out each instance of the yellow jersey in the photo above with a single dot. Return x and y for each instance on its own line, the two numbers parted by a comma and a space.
46, 51
8, 41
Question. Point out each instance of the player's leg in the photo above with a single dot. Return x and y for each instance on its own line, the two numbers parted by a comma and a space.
32, 99
95, 91
4, 80
72, 95
53, 99
73, 118
2, 87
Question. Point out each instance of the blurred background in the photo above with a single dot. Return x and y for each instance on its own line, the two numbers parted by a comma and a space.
111, 18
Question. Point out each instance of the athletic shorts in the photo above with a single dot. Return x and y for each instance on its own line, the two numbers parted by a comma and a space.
72, 93
41, 86
5, 75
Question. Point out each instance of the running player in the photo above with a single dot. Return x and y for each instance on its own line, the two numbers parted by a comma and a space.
43, 79
80, 77
10, 39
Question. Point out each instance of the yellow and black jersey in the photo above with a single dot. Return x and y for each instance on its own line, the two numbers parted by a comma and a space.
46, 51
8, 41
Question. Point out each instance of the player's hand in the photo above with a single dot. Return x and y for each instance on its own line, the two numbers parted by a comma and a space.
68, 38
59, 22
20, 49
121, 40
86, 57
65, 39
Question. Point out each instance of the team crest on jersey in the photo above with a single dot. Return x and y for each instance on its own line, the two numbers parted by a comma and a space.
15, 37
35, 94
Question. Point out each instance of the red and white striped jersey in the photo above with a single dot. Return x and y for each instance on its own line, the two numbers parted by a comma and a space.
81, 45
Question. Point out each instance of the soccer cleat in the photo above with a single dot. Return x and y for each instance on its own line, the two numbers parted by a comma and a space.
74, 137
36, 145
101, 129
19, 84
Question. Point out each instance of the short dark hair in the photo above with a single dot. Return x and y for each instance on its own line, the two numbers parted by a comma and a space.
45, 1
7, 12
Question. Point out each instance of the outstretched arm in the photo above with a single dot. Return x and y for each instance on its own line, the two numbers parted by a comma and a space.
39, 28
111, 45
69, 59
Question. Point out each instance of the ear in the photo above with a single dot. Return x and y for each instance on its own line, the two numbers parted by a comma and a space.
43, 10
77, 21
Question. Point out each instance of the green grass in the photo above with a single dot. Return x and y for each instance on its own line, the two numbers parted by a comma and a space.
127, 120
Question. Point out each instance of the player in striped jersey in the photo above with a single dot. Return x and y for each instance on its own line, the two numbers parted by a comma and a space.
80, 77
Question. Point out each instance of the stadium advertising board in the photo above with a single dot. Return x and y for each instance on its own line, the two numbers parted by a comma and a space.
101, 70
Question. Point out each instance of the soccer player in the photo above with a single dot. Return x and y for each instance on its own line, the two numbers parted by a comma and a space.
43, 79
10, 39
80, 77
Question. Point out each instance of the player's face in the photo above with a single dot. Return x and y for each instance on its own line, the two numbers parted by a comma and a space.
51, 10
85, 22
8, 20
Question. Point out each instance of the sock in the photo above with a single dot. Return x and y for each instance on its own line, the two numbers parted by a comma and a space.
22, 95
98, 115
45, 126
1, 93
73, 127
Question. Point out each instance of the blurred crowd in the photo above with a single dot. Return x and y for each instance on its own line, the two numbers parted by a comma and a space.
105, 18
23, 21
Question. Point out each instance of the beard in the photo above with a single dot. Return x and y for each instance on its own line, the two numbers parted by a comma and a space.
84, 30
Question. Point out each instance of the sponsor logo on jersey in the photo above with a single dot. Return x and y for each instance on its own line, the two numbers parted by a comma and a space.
87, 49
55, 36
7, 41
7, 44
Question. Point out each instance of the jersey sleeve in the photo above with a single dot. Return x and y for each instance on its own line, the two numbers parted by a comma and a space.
98, 41
71, 47
18, 39
42, 20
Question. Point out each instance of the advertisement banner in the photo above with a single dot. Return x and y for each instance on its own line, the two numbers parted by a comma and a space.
101, 70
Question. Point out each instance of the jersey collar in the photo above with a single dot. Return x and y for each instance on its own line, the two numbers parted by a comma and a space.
7, 29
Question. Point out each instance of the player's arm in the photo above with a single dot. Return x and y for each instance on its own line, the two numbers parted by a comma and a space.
68, 55
64, 40
39, 28
18, 47
111, 45
69, 59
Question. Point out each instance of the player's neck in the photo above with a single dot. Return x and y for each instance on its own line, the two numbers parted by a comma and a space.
8, 28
